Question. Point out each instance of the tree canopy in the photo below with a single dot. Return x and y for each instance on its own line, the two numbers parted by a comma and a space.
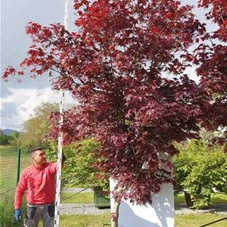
210, 58
126, 65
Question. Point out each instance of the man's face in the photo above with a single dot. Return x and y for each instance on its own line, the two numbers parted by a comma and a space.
39, 157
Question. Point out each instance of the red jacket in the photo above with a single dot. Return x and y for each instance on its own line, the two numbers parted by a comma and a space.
39, 184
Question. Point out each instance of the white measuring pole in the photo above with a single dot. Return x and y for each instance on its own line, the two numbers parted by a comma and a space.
60, 142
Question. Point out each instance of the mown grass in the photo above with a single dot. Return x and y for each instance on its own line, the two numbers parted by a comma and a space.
85, 221
84, 197
218, 198
181, 220
196, 220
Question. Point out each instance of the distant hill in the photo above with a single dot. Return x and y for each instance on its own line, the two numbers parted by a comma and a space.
8, 131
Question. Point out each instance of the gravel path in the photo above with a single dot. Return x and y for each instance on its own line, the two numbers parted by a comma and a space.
86, 209
77, 190
72, 209
214, 208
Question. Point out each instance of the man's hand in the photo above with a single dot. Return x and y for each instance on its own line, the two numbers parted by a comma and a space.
17, 214
63, 158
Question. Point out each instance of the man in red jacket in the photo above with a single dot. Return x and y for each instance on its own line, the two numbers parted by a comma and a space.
38, 180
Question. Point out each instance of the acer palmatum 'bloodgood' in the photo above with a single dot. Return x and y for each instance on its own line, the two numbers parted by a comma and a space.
125, 64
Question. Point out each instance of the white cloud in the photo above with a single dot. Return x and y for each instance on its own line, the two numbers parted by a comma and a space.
22, 103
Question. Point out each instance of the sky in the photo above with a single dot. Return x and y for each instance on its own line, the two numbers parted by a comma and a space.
18, 99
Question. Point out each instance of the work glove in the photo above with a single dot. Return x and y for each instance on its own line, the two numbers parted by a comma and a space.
17, 214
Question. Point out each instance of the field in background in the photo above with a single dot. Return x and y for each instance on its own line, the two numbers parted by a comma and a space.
9, 170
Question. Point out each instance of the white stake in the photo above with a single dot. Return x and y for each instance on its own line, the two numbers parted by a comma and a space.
60, 142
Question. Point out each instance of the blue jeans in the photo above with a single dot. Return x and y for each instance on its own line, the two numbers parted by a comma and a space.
36, 212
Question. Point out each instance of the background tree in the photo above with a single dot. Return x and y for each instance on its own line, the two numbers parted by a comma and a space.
14, 139
200, 168
4, 139
37, 126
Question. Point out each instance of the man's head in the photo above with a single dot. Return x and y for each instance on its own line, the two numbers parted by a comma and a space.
38, 156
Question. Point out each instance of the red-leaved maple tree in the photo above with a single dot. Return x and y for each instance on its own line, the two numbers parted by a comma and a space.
126, 65
211, 59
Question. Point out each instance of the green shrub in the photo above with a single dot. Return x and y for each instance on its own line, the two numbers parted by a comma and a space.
199, 169
79, 167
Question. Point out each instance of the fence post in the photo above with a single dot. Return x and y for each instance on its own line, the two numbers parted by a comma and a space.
18, 164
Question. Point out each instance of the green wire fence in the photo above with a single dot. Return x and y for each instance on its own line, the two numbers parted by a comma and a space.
12, 162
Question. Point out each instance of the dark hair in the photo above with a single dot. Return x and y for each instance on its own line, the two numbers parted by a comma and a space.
36, 149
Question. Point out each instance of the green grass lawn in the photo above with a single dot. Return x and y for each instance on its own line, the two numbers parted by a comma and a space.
84, 197
196, 220
85, 221
218, 198
181, 220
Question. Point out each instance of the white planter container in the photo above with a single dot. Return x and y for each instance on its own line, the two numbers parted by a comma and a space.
159, 214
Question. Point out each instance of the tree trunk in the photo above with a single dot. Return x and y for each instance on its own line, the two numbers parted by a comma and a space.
115, 214
190, 203
188, 199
